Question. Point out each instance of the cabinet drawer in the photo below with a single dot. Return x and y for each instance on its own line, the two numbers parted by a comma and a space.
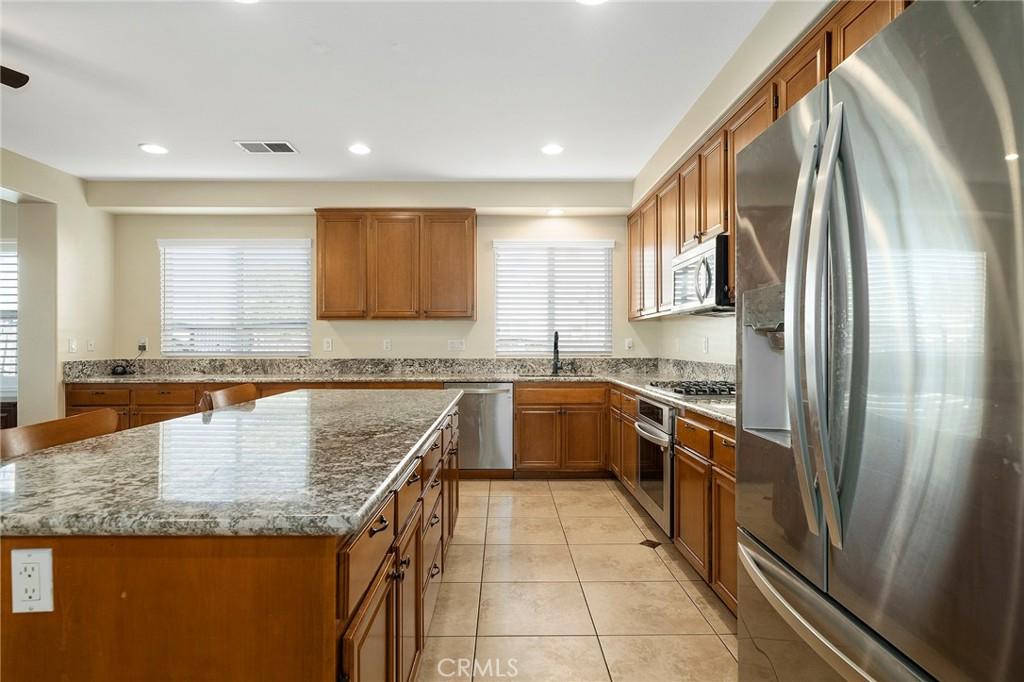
447, 432
629, 404
433, 526
165, 396
407, 494
99, 396
432, 456
615, 398
363, 555
694, 436
575, 395
724, 452
431, 491
123, 418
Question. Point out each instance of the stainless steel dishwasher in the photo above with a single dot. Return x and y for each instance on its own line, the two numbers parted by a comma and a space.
485, 426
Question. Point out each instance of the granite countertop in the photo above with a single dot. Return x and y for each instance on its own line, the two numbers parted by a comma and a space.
722, 409
306, 462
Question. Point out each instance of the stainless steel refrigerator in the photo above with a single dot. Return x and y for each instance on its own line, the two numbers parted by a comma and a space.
881, 409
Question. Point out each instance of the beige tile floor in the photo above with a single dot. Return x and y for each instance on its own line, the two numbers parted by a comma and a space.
547, 581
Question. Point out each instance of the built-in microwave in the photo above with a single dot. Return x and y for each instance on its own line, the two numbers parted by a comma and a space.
700, 278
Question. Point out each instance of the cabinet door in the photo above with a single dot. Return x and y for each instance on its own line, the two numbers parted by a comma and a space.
668, 239
368, 647
141, 416
394, 255
752, 120
689, 203
636, 265
538, 440
123, 417
692, 520
630, 454
804, 70
451, 495
583, 438
614, 442
649, 221
713, 198
723, 536
409, 596
448, 266
857, 23
340, 265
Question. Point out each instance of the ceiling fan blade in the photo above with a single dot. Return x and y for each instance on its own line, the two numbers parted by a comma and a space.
12, 78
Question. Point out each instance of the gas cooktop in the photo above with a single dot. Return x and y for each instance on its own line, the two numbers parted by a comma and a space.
698, 389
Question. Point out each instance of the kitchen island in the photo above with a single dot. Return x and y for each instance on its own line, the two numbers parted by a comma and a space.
274, 540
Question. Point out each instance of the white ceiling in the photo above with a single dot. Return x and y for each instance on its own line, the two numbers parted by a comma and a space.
440, 91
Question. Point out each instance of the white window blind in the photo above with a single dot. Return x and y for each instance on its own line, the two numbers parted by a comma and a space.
8, 309
544, 287
236, 297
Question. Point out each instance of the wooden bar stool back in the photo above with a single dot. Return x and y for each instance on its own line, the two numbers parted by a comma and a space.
232, 395
22, 439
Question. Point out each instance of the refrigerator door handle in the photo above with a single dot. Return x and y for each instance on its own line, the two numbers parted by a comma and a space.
848, 647
793, 347
815, 331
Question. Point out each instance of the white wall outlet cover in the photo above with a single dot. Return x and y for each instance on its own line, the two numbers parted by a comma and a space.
707, 344
143, 344
456, 344
72, 344
328, 344
90, 346
31, 580
387, 344
629, 344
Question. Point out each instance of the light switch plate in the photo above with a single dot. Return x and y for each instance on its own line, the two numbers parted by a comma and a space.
387, 344
328, 344
629, 344
31, 580
707, 344
72, 344
90, 346
143, 344
456, 344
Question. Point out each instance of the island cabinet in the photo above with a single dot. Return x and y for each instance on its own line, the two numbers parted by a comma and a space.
396, 263
560, 427
704, 513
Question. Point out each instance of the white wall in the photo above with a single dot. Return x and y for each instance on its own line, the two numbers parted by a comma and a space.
137, 291
682, 338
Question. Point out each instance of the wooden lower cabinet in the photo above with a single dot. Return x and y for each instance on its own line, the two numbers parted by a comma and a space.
143, 416
614, 442
368, 647
538, 441
583, 438
630, 446
451, 496
723, 544
123, 417
409, 598
692, 534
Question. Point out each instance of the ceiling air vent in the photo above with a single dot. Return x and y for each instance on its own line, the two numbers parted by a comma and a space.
258, 147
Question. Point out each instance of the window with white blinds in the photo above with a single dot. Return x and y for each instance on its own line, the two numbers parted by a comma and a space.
8, 309
236, 297
544, 287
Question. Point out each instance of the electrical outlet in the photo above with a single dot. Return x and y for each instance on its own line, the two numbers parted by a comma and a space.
456, 344
328, 344
629, 344
387, 344
707, 344
31, 580
72, 344
143, 344
90, 345
676, 345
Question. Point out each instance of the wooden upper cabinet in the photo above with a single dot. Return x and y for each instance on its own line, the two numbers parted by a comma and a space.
689, 203
340, 266
448, 267
394, 265
858, 22
668, 239
636, 265
649, 223
713, 197
804, 70
753, 119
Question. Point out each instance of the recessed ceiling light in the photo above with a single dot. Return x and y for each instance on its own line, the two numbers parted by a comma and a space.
555, 212
552, 148
360, 149
1012, 157
591, 2
151, 148
247, 2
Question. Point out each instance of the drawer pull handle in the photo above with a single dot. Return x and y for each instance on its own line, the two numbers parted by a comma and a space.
397, 575
415, 478
434, 571
727, 444
405, 563
435, 446
434, 520
383, 526
437, 482
99, 392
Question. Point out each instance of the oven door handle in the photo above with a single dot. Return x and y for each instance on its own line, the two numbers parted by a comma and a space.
652, 436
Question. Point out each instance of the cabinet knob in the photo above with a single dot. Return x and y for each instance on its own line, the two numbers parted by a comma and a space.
434, 520
384, 525
434, 570
437, 482
415, 478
